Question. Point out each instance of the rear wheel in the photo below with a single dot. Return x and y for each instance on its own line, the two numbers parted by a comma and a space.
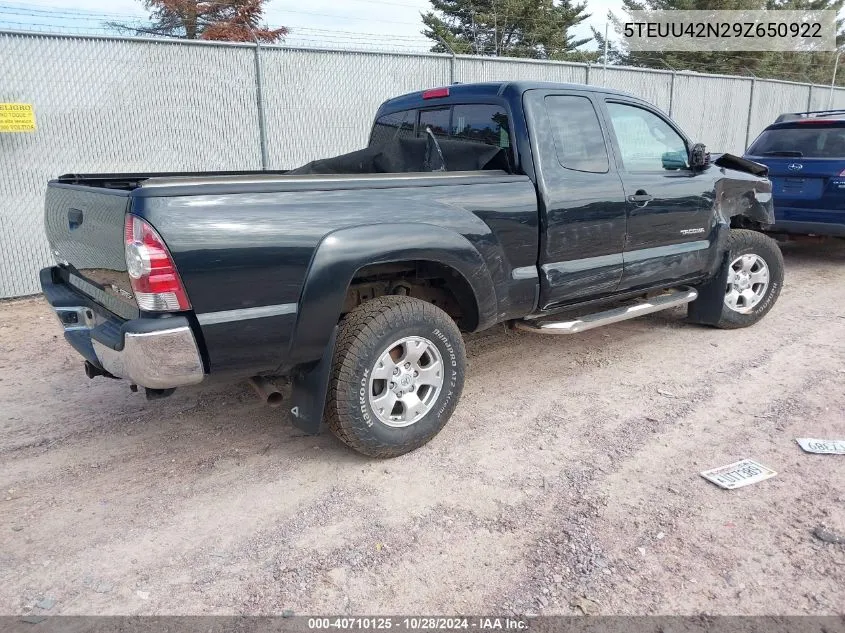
398, 373
754, 279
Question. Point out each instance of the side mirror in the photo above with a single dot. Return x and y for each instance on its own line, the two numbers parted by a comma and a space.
699, 157
674, 160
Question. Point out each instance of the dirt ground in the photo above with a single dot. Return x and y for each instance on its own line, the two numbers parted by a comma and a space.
568, 475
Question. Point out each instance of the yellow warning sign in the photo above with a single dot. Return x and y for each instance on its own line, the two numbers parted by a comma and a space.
17, 117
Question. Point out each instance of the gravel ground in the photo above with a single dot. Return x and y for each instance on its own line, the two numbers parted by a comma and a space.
567, 480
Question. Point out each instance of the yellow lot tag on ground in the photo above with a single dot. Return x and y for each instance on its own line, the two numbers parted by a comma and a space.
17, 117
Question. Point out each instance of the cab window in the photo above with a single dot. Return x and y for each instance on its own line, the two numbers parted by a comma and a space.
579, 141
474, 122
437, 120
646, 141
394, 125
481, 123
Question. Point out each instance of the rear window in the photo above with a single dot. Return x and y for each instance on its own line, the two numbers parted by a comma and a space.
479, 123
811, 141
393, 125
482, 124
437, 120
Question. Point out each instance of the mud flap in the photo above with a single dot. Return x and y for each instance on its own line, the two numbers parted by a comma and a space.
308, 398
707, 309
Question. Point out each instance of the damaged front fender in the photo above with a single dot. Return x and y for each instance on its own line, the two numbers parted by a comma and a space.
743, 190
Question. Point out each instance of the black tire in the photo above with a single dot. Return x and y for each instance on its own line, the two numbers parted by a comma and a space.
745, 242
365, 335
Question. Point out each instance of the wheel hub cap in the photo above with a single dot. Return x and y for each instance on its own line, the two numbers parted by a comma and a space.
406, 381
748, 280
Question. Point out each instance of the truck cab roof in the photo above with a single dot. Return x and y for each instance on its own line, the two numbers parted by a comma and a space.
486, 90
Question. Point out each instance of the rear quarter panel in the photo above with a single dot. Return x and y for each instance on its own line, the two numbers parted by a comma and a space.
237, 251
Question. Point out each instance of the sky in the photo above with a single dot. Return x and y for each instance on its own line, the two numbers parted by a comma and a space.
316, 22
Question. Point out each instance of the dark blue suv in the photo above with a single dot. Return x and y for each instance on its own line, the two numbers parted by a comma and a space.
805, 154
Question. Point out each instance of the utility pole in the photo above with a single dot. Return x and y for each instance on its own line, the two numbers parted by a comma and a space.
833, 81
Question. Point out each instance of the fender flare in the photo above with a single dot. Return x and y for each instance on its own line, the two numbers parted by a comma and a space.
342, 253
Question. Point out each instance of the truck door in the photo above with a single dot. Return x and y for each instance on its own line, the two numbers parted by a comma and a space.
582, 202
671, 224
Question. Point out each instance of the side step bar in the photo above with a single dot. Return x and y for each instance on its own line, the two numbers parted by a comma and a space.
671, 299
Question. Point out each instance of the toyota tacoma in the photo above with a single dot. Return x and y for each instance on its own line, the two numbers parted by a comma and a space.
551, 208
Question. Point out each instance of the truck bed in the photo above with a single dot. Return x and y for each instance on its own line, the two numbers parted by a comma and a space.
243, 244
129, 181
401, 162
215, 182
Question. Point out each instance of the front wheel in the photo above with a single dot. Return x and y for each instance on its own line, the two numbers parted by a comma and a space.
754, 278
397, 375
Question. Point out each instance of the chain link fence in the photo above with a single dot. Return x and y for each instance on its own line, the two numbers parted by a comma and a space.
106, 104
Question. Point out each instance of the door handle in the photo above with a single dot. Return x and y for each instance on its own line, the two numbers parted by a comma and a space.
640, 196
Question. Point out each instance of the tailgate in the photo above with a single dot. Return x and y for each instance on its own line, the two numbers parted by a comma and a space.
85, 228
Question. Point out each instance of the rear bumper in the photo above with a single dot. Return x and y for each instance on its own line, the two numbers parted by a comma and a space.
158, 359
155, 353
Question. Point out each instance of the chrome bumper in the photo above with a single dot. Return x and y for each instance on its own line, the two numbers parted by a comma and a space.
154, 358
158, 360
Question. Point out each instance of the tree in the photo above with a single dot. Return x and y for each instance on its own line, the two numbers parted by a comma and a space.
514, 28
227, 20
791, 66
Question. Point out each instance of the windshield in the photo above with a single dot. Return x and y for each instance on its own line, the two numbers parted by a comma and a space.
805, 142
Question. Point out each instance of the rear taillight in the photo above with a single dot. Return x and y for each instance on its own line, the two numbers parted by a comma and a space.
153, 274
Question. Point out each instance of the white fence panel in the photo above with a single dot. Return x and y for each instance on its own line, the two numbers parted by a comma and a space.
821, 99
713, 110
321, 103
773, 98
475, 69
654, 87
104, 105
